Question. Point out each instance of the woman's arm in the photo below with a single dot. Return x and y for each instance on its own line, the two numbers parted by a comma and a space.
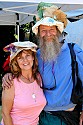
7, 103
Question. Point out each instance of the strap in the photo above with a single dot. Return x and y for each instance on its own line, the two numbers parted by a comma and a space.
73, 62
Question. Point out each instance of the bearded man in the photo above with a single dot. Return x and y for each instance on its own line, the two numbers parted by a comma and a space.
55, 68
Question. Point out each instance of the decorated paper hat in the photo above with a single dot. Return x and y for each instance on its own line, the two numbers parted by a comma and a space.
51, 11
48, 22
16, 47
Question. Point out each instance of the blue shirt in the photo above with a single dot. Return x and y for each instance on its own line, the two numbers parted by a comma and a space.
60, 68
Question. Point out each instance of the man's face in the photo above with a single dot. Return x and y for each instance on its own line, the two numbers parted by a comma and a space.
47, 32
49, 42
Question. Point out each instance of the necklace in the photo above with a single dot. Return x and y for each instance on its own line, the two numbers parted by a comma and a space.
34, 96
26, 80
33, 93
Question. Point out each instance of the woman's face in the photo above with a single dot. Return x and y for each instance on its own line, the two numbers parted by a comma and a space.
25, 60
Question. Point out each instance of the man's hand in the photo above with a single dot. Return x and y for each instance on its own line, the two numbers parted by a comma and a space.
7, 80
81, 118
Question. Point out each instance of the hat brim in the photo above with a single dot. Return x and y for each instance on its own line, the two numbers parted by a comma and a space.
48, 22
13, 55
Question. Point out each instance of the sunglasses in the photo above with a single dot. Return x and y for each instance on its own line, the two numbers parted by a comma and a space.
52, 88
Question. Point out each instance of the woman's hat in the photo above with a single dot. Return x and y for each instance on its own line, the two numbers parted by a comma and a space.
16, 47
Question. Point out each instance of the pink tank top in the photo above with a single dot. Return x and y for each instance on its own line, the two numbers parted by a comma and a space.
29, 101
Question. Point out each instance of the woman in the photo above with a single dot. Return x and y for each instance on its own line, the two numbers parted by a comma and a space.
23, 102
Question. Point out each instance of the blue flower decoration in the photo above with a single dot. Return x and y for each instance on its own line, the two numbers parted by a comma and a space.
51, 20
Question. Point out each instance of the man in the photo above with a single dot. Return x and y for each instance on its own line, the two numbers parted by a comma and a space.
55, 67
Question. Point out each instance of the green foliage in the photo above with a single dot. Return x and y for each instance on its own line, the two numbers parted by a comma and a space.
26, 27
16, 36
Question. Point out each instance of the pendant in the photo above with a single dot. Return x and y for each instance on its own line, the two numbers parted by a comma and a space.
33, 96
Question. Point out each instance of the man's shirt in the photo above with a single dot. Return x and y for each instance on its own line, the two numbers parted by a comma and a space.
60, 70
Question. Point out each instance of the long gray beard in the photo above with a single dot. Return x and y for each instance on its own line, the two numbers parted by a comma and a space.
49, 50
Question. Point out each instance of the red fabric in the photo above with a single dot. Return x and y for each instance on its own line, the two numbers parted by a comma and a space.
6, 64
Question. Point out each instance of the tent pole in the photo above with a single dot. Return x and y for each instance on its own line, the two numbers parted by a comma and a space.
18, 31
15, 30
17, 24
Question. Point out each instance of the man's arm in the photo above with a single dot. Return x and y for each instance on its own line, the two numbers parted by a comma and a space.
7, 80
